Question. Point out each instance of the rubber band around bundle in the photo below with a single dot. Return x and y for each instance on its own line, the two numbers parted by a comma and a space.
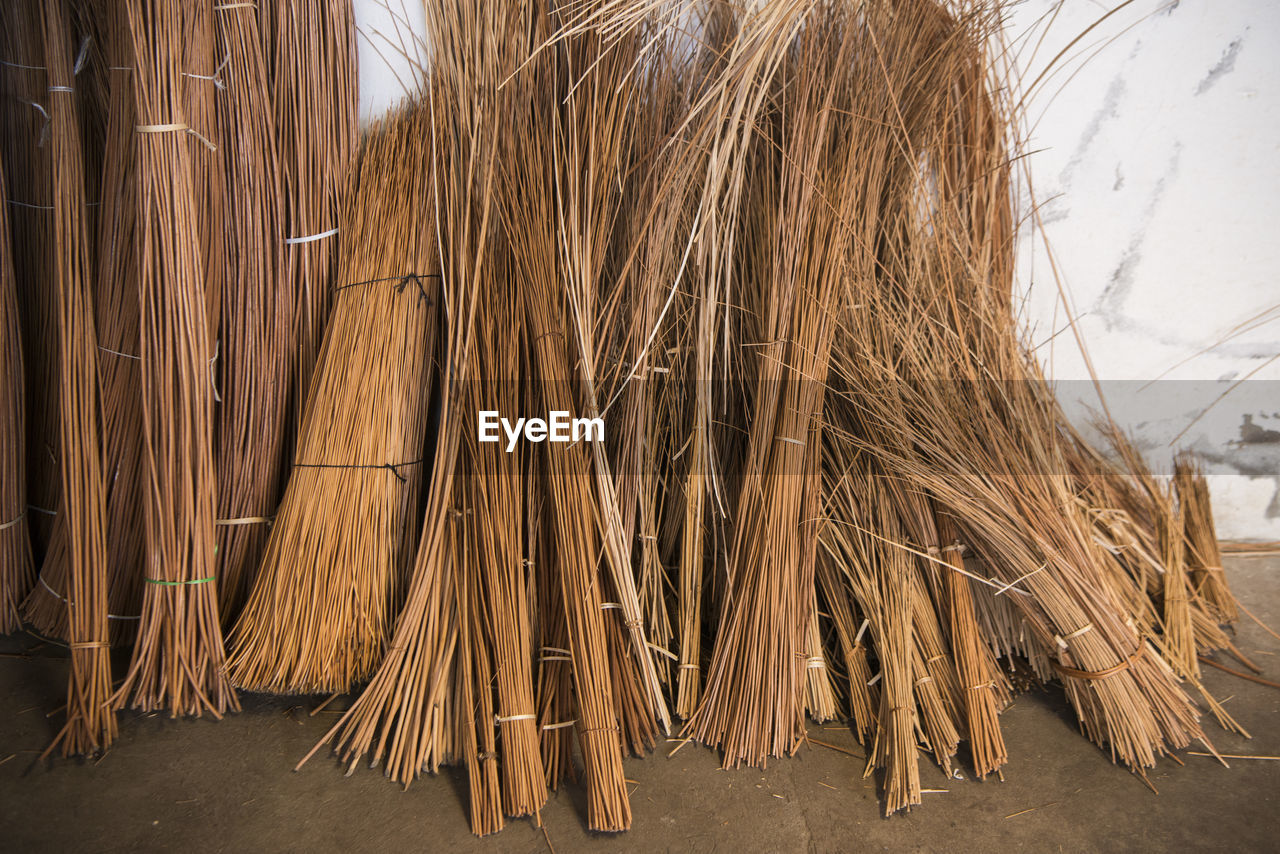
163, 583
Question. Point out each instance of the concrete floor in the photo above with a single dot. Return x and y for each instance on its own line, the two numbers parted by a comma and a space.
227, 786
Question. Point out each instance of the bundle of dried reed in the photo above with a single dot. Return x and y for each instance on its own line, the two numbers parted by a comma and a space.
178, 660
811, 200
1204, 558
17, 572
30, 209
315, 117
497, 620
255, 352
203, 75
404, 717
117, 319
321, 608
119, 345
554, 267
90, 722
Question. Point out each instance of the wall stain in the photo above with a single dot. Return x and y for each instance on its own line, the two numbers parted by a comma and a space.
1222, 67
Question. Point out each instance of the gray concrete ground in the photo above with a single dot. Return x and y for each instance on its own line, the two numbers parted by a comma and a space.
228, 786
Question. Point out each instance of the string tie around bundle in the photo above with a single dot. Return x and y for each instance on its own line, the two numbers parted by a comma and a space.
394, 468
1061, 640
14, 521
402, 281
161, 582
560, 654
55, 594
1095, 675
245, 520
216, 76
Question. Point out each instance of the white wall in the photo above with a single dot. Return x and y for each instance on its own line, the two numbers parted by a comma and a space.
1157, 166
1157, 179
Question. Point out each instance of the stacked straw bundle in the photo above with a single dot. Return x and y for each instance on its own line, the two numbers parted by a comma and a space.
770, 247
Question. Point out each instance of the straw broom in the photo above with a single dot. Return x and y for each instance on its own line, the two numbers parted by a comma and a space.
255, 355
321, 608
90, 725
17, 572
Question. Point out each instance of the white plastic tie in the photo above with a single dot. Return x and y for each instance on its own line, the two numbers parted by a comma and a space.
293, 241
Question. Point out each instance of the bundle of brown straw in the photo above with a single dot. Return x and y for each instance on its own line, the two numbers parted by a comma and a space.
322, 605
255, 353
90, 722
178, 660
